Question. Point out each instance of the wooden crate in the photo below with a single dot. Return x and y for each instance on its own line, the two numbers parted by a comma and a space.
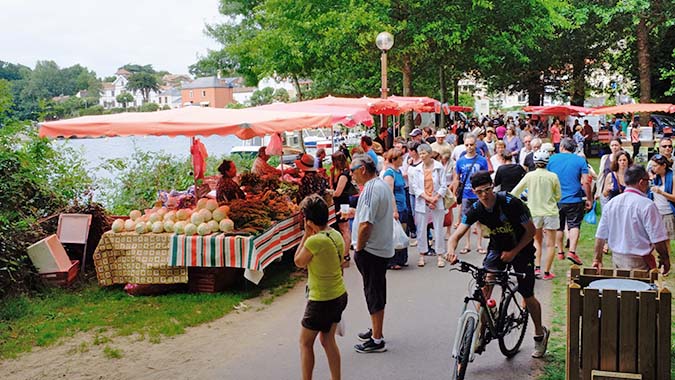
212, 280
626, 332
63, 278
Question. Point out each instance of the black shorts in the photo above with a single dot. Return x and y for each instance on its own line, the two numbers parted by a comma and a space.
373, 269
572, 213
320, 315
522, 263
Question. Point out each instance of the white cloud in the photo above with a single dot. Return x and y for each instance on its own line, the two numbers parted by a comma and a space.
103, 35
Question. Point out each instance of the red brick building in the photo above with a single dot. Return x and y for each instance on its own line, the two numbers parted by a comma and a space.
208, 92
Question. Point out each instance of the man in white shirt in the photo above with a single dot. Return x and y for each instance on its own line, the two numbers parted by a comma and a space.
632, 226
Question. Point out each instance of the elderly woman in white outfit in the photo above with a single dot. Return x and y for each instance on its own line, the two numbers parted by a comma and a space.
429, 184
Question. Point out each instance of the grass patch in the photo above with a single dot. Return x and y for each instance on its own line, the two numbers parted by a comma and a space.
26, 322
554, 368
112, 353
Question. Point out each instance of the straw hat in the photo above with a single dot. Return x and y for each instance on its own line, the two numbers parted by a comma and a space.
306, 163
377, 148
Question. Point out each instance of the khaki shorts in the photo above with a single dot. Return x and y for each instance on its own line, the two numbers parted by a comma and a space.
633, 261
546, 222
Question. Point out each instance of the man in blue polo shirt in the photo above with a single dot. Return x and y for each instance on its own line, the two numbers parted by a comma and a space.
572, 172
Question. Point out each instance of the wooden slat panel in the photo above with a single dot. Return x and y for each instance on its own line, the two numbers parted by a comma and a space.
607, 272
588, 270
628, 314
640, 274
623, 273
654, 275
608, 330
590, 333
647, 335
663, 334
574, 300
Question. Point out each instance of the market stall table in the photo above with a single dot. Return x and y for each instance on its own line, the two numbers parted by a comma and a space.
128, 257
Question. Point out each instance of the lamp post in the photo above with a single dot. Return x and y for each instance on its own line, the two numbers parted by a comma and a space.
384, 42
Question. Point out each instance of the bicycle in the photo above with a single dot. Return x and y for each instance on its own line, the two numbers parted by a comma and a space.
477, 326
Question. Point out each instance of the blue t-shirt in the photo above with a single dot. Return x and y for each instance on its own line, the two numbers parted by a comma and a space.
569, 168
373, 155
482, 147
465, 168
399, 188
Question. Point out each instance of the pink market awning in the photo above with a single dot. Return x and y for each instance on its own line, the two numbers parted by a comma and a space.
416, 103
635, 108
189, 121
349, 116
559, 110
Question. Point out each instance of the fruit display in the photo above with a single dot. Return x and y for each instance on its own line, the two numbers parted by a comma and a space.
249, 216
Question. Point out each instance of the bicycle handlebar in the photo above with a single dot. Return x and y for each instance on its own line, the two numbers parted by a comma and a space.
480, 272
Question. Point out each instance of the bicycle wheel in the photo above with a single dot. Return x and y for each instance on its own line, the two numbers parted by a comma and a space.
462, 359
513, 317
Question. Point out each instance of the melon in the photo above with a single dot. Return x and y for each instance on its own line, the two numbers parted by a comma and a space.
203, 229
134, 214
140, 228
183, 214
179, 227
154, 217
196, 218
157, 227
206, 214
225, 208
211, 204
168, 226
190, 229
213, 225
148, 225
171, 215
118, 225
129, 225
219, 214
162, 211
226, 225
201, 203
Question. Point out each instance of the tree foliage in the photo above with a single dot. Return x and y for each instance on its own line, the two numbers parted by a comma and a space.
124, 98
143, 82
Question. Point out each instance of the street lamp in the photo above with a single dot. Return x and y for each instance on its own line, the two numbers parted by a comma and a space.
384, 42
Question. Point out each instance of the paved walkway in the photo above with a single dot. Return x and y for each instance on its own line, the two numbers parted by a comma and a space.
420, 323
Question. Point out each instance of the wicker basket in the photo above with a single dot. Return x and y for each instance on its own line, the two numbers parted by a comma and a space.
212, 280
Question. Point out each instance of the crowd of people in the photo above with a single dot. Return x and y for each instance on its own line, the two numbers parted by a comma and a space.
527, 196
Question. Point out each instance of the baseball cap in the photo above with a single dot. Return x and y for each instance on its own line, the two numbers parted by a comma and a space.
416, 132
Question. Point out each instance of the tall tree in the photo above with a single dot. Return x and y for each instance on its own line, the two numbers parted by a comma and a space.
143, 82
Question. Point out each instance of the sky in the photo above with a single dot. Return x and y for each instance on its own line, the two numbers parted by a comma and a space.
103, 35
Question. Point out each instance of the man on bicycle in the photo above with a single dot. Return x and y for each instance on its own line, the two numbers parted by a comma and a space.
511, 232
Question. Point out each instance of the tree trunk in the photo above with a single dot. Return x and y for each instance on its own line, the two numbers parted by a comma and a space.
407, 89
644, 67
535, 90
455, 89
298, 90
441, 78
578, 82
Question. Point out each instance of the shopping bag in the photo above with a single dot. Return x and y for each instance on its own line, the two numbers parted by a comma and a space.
400, 238
591, 217
341, 328
275, 146
449, 199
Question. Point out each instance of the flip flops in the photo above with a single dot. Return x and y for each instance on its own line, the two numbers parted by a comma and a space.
465, 250
482, 251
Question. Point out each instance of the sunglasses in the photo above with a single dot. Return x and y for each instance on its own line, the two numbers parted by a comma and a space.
667, 146
353, 169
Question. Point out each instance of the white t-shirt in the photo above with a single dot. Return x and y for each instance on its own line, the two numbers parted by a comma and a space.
376, 206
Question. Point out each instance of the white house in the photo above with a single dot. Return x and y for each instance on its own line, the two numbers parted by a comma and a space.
110, 91
171, 97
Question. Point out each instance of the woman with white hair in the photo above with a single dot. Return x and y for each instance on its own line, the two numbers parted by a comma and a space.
428, 183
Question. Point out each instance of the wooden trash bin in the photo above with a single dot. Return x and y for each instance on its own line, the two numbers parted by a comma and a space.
617, 334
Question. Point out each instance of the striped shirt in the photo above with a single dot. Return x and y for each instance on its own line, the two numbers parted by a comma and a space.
375, 206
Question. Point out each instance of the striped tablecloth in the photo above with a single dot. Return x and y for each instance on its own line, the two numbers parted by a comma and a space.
249, 252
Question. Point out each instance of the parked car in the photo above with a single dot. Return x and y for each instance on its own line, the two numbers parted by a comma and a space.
663, 124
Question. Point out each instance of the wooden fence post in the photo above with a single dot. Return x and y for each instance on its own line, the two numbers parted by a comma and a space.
573, 314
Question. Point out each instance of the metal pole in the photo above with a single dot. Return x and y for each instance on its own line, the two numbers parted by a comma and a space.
384, 91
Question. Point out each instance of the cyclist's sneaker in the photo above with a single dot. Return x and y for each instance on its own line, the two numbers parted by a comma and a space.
480, 346
548, 276
561, 256
537, 272
370, 346
571, 256
540, 344
365, 335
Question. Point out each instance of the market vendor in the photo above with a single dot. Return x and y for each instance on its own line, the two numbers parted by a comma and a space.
261, 167
312, 181
227, 188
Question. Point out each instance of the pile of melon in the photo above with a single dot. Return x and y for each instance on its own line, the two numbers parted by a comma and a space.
205, 219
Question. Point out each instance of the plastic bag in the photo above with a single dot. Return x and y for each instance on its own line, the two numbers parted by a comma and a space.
274, 148
400, 238
591, 217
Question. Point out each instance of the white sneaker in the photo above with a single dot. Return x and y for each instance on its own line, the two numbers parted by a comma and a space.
540, 345
413, 242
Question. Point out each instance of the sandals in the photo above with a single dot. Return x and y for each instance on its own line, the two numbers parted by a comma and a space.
441, 262
420, 261
482, 251
465, 250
